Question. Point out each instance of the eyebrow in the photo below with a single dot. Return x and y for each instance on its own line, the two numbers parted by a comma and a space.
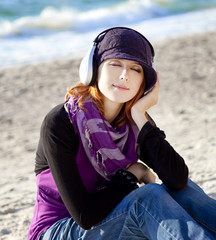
137, 64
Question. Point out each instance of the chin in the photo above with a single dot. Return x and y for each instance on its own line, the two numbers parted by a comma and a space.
120, 101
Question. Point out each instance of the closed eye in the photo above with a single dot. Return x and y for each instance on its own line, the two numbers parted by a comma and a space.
136, 70
115, 64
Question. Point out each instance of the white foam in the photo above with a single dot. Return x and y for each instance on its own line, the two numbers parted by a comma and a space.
52, 19
33, 49
177, 25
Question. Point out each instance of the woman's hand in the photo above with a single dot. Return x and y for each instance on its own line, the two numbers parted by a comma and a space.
143, 174
143, 104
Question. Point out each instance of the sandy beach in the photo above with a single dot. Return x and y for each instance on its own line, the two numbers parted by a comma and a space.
186, 112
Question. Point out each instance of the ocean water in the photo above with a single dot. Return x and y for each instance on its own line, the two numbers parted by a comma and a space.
41, 30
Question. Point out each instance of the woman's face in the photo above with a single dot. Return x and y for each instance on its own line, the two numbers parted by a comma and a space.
119, 80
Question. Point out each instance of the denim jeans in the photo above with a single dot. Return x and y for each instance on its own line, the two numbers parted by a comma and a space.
149, 212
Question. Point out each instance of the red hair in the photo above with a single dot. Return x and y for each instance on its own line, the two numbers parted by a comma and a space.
82, 92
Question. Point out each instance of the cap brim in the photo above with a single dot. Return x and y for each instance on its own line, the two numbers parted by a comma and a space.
150, 77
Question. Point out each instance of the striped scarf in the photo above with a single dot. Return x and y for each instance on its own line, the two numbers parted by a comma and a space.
107, 148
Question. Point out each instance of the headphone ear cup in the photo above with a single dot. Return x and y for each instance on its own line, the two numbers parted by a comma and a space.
94, 72
86, 67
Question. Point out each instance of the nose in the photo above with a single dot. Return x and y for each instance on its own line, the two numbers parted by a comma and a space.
124, 75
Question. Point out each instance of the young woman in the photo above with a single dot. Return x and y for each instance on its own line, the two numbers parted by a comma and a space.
87, 159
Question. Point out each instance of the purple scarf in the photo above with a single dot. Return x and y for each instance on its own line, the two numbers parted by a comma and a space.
106, 148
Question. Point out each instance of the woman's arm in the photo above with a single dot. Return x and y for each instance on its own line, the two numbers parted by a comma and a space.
159, 155
142, 173
60, 146
156, 152
138, 111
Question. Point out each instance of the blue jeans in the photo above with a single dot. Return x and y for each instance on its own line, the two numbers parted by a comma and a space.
150, 212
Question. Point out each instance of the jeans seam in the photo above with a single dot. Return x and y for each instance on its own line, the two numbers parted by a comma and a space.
157, 221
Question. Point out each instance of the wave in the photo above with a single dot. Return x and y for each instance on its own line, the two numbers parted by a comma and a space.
69, 32
70, 19
16, 50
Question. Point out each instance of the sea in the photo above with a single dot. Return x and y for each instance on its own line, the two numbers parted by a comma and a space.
33, 31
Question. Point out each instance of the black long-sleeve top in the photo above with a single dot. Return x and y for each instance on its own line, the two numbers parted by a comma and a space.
57, 149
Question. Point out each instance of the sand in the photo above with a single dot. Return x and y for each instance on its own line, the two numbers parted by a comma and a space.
186, 112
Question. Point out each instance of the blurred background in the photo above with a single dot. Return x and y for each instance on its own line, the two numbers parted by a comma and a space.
183, 33
42, 30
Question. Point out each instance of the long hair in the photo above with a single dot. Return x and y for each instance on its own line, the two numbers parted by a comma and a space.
83, 92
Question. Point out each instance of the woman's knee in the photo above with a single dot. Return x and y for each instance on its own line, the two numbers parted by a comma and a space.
150, 189
146, 193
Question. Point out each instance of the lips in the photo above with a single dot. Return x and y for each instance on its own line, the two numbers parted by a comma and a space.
120, 87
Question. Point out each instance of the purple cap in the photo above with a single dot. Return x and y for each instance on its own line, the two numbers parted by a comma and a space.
125, 43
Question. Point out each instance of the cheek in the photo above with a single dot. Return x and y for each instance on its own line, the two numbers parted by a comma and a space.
103, 83
104, 79
138, 84
100, 86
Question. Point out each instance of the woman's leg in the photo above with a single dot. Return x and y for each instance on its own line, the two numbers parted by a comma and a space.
148, 212
64, 229
199, 205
